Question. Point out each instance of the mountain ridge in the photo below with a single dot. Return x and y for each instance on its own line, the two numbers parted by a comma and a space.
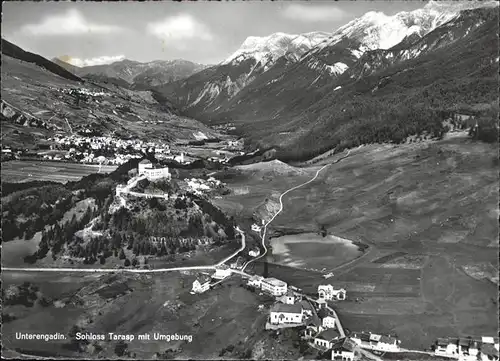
282, 106
136, 74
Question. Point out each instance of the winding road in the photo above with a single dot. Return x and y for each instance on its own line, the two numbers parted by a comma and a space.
208, 267
263, 235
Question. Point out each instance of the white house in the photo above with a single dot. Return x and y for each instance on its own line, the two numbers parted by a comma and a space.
491, 340
255, 281
322, 303
343, 350
201, 285
282, 313
313, 326
256, 228
179, 158
254, 252
376, 342
274, 286
329, 293
326, 339
328, 322
222, 272
446, 347
289, 298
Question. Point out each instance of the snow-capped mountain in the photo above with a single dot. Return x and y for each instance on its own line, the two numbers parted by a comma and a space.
414, 46
281, 67
211, 87
148, 74
270, 48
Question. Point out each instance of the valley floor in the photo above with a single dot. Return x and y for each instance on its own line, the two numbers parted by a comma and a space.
429, 214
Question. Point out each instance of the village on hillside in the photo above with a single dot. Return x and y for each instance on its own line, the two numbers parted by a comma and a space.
322, 329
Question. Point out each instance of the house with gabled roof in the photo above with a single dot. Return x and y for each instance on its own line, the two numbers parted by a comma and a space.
372, 341
488, 352
313, 326
282, 313
326, 338
327, 292
343, 349
222, 272
201, 284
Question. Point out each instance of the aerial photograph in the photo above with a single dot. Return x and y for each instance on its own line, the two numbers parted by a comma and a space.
250, 180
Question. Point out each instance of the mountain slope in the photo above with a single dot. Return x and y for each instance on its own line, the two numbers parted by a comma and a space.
207, 90
247, 91
36, 103
136, 74
405, 95
16, 52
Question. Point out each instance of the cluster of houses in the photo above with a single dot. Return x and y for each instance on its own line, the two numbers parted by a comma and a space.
84, 149
468, 349
203, 283
292, 310
327, 292
273, 286
83, 92
343, 348
375, 342
200, 186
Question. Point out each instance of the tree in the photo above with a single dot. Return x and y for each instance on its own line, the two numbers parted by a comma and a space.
127, 262
135, 262
122, 254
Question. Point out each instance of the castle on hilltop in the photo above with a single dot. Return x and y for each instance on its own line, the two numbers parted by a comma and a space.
152, 171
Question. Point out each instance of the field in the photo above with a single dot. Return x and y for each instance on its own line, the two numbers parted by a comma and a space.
255, 188
444, 192
429, 213
225, 317
24, 171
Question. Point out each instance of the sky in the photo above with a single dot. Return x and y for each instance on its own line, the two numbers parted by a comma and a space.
204, 32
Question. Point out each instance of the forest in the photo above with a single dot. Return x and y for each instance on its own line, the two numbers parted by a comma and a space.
184, 222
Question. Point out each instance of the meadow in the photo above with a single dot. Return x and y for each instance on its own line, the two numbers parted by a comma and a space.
24, 171
428, 212
225, 318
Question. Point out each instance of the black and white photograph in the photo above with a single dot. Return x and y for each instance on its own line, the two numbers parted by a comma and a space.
250, 180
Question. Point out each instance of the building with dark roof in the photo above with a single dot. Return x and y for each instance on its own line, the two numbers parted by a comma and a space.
282, 313
325, 339
488, 352
343, 349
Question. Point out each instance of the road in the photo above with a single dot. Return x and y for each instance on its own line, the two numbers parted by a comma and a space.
263, 235
208, 267
337, 319
243, 245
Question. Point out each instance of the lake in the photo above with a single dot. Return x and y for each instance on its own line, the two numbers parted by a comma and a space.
313, 251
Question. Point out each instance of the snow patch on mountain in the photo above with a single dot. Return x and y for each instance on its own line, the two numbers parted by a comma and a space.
375, 30
337, 68
270, 48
